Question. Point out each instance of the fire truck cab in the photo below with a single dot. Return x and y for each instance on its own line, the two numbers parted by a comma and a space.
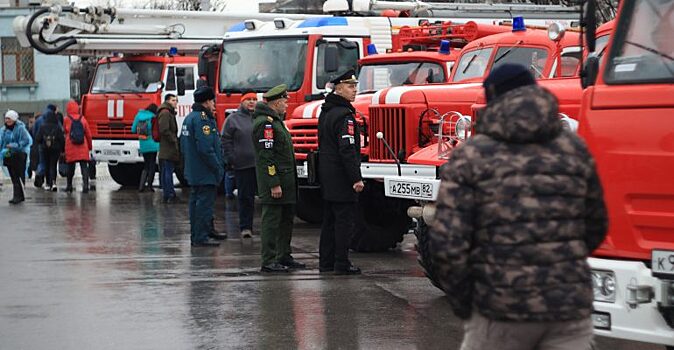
625, 120
120, 87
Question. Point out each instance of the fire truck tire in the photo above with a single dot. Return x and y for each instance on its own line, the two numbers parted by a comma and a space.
424, 257
310, 205
381, 222
126, 174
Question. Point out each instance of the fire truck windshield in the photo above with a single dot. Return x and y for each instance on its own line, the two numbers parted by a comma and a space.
474, 64
126, 76
379, 76
643, 49
259, 65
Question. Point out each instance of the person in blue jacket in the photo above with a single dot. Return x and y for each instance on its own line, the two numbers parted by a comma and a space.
15, 142
204, 165
142, 125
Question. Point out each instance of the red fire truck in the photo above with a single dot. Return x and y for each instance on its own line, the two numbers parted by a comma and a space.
409, 119
624, 120
416, 58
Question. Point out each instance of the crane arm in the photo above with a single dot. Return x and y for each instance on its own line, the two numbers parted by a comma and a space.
98, 31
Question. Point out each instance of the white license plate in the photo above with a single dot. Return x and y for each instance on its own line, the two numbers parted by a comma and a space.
301, 171
662, 263
112, 152
410, 189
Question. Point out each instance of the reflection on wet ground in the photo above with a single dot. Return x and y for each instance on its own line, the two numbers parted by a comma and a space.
113, 269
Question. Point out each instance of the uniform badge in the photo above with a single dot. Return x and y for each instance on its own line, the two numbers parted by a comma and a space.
271, 170
268, 132
206, 129
204, 116
270, 119
350, 128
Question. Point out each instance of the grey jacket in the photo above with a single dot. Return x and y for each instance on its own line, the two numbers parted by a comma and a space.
237, 143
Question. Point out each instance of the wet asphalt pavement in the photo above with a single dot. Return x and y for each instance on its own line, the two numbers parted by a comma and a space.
113, 269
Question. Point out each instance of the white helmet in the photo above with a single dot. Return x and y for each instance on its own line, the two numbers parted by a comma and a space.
11, 114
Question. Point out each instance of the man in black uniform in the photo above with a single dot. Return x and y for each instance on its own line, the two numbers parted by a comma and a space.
339, 174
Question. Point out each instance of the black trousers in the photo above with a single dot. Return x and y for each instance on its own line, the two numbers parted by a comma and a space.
84, 168
247, 184
149, 164
16, 164
51, 161
336, 231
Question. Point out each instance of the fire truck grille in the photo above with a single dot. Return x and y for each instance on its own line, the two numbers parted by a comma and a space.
305, 138
119, 129
391, 122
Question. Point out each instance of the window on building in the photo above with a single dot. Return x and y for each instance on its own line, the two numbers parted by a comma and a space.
17, 61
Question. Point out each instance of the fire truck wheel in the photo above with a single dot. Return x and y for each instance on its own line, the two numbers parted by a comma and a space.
381, 222
310, 205
424, 257
126, 174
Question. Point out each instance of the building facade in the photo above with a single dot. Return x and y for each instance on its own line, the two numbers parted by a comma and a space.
29, 80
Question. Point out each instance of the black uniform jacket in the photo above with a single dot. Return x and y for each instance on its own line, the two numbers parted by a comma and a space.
338, 150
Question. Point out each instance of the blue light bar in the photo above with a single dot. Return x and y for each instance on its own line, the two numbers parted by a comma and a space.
444, 47
239, 27
518, 24
371, 49
173, 51
323, 22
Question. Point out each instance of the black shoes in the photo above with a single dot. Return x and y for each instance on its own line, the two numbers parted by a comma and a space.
207, 243
16, 200
293, 264
351, 270
215, 235
326, 269
274, 267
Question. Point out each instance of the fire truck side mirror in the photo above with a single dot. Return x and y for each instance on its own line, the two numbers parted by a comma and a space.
330, 61
590, 72
590, 25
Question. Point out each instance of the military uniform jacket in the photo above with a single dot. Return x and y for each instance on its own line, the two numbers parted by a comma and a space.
274, 156
520, 208
200, 144
338, 150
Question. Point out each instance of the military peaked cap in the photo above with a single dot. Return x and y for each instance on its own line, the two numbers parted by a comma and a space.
203, 94
279, 91
348, 77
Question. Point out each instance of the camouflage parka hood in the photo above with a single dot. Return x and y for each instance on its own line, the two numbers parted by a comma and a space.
518, 118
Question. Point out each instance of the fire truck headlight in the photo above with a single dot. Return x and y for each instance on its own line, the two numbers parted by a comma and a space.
568, 123
463, 126
556, 31
603, 285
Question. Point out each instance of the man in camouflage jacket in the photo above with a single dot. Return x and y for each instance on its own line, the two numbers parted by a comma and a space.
519, 210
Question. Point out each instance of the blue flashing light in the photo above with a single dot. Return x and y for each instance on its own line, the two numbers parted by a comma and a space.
444, 47
518, 24
239, 27
371, 49
173, 51
323, 22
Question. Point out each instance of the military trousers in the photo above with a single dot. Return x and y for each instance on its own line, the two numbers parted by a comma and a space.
336, 232
276, 231
202, 201
483, 333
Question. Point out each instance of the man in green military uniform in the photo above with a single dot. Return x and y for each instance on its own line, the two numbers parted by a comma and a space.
204, 165
276, 180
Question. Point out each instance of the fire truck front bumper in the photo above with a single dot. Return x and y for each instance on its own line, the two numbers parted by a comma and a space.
384, 171
629, 303
117, 151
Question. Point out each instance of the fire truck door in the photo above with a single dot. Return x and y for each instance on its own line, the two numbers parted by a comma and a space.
181, 80
347, 58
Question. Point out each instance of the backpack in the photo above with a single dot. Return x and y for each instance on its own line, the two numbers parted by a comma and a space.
142, 129
76, 131
156, 136
50, 138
